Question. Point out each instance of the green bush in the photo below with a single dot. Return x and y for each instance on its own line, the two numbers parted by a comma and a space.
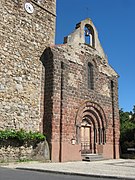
127, 130
21, 135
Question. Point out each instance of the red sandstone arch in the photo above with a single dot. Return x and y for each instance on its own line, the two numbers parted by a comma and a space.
94, 114
91, 109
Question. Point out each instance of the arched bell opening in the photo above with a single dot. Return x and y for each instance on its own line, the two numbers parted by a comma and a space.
89, 35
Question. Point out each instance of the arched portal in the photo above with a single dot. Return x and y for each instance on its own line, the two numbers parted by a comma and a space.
91, 127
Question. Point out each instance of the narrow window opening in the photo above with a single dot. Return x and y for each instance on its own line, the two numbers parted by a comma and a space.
90, 76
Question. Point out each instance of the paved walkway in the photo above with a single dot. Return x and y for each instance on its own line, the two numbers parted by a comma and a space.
109, 168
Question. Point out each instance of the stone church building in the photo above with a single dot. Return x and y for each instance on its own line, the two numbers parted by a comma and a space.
69, 92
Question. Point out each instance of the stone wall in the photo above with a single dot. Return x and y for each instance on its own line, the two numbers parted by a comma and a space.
23, 38
43, 89
68, 91
14, 151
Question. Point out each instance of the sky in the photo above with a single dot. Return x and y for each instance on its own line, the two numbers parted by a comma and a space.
115, 23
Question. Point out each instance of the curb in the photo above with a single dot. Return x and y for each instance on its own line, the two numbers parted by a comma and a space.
76, 174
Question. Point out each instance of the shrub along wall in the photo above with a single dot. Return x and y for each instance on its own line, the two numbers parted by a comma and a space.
22, 146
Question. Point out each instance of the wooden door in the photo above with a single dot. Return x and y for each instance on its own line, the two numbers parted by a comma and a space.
86, 145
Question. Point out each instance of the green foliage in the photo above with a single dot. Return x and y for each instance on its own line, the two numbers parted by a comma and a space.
127, 130
21, 135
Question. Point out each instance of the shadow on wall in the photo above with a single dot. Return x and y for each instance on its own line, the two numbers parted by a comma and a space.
47, 61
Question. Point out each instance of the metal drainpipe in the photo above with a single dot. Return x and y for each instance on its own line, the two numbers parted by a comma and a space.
113, 118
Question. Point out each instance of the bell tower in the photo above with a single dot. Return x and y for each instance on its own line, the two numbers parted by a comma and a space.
27, 28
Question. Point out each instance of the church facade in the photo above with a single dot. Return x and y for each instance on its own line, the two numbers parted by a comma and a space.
82, 91
69, 92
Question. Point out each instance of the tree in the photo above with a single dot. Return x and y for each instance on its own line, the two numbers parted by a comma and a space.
127, 130
133, 115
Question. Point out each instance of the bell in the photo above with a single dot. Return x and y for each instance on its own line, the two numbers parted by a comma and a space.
87, 33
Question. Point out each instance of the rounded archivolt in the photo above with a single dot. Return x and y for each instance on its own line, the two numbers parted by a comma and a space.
89, 108
91, 117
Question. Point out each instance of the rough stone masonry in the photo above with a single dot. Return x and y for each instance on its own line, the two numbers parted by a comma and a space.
69, 92
23, 38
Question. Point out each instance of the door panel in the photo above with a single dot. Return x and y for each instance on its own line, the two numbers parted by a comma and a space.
86, 139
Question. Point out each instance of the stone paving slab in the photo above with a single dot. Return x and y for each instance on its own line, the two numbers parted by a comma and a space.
108, 168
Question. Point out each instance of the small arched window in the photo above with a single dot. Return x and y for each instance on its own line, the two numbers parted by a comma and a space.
90, 76
89, 35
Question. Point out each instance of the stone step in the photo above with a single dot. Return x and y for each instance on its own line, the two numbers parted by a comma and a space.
92, 157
